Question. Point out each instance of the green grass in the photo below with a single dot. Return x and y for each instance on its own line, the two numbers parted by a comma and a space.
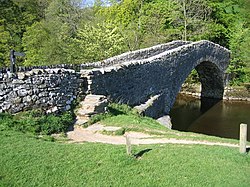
27, 161
133, 122
150, 126
127, 118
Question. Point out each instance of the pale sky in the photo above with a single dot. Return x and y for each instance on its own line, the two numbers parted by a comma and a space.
91, 2
88, 2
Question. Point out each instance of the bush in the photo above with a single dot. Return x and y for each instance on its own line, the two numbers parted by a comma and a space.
36, 122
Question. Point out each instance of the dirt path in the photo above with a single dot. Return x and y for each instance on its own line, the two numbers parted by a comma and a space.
92, 134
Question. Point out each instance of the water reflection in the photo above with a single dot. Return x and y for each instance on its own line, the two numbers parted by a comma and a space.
220, 119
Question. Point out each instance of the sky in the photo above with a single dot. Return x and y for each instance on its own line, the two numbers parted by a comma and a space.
88, 2
91, 2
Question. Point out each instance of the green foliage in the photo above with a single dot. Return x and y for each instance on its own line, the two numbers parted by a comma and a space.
240, 63
117, 109
36, 122
65, 31
98, 117
143, 23
34, 43
15, 17
93, 43
194, 18
193, 77
120, 132
134, 123
48, 41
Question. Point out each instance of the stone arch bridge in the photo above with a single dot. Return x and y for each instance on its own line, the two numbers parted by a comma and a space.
148, 79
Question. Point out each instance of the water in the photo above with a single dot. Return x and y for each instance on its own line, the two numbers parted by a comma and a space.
211, 117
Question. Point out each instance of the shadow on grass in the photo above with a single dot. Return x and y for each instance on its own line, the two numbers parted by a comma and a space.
248, 149
141, 153
115, 111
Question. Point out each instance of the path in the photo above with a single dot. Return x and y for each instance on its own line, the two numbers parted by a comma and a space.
92, 134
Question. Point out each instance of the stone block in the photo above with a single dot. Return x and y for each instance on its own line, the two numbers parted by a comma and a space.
42, 86
22, 92
17, 100
165, 121
2, 92
34, 97
93, 104
37, 71
67, 107
18, 81
3, 86
43, 94
21, 75
6, 106
27, 99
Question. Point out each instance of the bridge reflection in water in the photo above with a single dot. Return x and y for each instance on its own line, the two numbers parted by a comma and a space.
211, 117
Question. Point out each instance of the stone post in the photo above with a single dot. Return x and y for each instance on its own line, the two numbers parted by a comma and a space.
243, 138
128, 145
12, 61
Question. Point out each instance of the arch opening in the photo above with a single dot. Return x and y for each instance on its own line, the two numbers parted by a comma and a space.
187, 108
211, 79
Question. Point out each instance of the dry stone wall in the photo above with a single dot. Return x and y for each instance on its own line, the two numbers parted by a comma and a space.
49, 89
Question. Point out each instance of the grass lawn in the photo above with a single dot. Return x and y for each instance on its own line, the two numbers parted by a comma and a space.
144, 124
27, 161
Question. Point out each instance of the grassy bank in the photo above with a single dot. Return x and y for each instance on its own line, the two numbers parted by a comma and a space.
26, 161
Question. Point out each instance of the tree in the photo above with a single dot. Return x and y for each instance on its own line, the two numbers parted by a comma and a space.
125, 16
15, 17
233, 20
195, 16
35, 43
94, 43
157, 20
48, 41
143, 23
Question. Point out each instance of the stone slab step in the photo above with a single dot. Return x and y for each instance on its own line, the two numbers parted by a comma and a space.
81, 120
92, 104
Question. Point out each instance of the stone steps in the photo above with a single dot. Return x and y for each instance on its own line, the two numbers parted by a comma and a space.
92, 104
81, 120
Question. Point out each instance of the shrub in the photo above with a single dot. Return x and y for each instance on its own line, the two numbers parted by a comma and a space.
36, 122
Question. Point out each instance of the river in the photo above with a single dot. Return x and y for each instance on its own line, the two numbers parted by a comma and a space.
211, 117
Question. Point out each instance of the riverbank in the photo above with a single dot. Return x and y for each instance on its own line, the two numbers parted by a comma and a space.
231, 93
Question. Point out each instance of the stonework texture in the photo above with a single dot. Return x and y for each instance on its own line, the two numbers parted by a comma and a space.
134, 82
49, 89
148, 78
